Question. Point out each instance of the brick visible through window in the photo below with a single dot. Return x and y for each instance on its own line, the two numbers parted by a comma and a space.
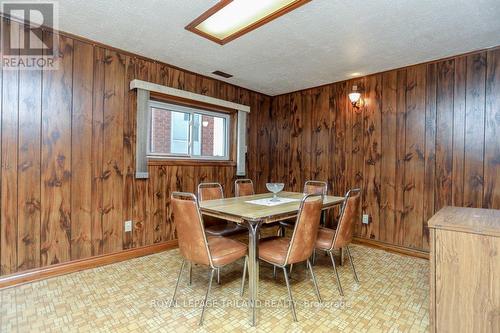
209, 132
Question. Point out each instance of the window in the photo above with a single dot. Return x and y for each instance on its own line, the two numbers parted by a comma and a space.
185, 132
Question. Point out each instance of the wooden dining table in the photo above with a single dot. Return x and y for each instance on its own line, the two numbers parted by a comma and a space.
241, 210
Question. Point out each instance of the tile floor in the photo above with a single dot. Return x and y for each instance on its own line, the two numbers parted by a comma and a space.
132, 296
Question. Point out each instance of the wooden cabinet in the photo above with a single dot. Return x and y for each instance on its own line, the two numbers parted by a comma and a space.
465, 270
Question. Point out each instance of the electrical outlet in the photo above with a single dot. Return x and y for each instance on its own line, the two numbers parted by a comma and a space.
366, 218
128, 226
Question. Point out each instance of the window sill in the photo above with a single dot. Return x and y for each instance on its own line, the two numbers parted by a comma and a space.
189, 162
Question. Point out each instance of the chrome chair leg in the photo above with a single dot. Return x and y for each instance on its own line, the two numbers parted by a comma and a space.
274, 272
290, 294
244, 276
206, 296
281, 231
190, 272
218, 275
177, 283
352, 264
314, 257
290, 270
314, 280
336, 274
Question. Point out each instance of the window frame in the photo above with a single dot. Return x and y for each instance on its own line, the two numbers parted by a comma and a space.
191, 111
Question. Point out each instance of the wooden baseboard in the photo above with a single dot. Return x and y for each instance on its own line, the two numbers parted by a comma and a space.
78, 265
391, 248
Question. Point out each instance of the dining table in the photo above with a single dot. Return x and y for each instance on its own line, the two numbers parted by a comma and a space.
253, 211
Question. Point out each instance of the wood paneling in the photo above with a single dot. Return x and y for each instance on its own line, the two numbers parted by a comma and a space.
9, 189
492, 133
388, 159
97, 151
81, 147
112, 186
474, 130
430, 150
56, 156
422, 141
68, 156
28, 233
372, 155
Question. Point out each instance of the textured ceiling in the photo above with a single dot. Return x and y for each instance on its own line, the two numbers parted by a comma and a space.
321, 42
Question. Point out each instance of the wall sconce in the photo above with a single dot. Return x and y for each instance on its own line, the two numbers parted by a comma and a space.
205, 123
355, 98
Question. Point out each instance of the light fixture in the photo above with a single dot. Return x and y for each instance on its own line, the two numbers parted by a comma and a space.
355, 98
204, 123
230, 19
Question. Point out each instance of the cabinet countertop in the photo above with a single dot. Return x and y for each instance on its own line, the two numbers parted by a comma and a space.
471, 220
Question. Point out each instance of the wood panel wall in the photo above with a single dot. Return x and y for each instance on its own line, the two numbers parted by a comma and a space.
67, 156
427, 137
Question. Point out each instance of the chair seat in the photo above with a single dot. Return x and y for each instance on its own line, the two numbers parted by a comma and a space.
274, 249
225, 250
325, 238
225, 229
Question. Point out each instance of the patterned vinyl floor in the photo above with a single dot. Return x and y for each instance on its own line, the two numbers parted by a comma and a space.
132, 296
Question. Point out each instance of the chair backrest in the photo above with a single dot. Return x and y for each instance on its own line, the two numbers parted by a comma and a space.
210, 191
350, 213
190, 231
243, 187
315, 187
306, 229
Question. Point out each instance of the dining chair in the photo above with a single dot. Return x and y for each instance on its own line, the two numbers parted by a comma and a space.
243, 187
329, 240
310, 187
215, 226
282, 252
195, 247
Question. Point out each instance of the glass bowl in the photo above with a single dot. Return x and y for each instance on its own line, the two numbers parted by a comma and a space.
275, 188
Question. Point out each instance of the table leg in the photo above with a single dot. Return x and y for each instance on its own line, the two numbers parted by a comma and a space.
253, 267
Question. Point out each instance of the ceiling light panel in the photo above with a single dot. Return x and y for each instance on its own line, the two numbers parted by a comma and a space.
230, 19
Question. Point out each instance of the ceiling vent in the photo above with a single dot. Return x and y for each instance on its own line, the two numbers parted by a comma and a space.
224, 75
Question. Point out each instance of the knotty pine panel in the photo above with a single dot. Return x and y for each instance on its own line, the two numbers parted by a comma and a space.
474, 130
28, 240
388, 161
9, 174
430, 150
68, 156
492, 141
81, 147
55, 233
426, 138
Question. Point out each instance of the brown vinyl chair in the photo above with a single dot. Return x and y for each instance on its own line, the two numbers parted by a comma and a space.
310, 187
282, 252
243, 187
329, 240
195, 247
214, 226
